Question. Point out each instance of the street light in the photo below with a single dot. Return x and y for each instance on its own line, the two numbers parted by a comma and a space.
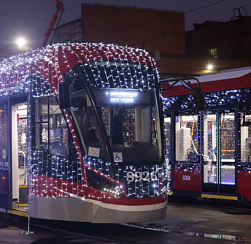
210, 67
20, 42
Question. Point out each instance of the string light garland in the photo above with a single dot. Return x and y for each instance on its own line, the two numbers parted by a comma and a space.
36, 74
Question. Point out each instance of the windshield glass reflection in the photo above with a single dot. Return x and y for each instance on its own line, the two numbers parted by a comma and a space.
132, 126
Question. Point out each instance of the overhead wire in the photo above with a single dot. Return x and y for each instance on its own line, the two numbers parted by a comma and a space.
206, 6
190, 11
128, 31
158, 37
23, 17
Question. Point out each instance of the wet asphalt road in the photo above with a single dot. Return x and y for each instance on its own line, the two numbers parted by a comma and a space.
186, 222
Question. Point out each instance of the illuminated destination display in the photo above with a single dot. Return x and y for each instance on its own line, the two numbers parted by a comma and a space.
121, 97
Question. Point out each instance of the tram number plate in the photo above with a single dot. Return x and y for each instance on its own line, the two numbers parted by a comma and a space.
138, 176
186, 177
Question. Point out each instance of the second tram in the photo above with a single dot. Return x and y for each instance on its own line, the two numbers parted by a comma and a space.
210, 151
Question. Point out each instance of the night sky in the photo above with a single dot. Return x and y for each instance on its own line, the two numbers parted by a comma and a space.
30, 18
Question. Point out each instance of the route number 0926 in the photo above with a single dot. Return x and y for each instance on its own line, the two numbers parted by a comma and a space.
138, 176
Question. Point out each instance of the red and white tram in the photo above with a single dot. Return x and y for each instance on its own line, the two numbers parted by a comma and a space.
210, 151
100, 158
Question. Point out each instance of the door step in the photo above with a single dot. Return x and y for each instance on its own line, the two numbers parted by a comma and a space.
226, 197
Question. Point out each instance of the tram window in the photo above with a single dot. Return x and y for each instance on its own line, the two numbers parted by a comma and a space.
89, 127
245, 138
4, 165
58, 130
167, 129
51, 129
132, 129
41, 123
132, 121
187, 138
209, 154
120, 124
133, 132
227, 148
227, 136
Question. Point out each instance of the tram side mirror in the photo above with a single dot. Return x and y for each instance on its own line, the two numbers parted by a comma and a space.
64, 95
198, 98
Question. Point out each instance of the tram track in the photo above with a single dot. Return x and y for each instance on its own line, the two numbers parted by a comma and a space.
106, 240
64, 231
132, 233
158, 228
77, 236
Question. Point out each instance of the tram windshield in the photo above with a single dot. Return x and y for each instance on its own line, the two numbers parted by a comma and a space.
131, 121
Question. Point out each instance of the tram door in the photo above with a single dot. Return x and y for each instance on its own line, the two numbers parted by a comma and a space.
4, 156
19, 154
219, 152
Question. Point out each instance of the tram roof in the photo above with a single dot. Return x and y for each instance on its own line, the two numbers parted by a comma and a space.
226, 80
53, 61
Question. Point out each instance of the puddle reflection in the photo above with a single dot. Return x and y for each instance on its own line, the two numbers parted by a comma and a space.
156, 227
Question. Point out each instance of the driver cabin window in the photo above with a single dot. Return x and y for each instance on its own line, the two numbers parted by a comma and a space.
128, 125
87, 123
131, 129
119, 124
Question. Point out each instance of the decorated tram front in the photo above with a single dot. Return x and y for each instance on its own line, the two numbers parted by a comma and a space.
100, 159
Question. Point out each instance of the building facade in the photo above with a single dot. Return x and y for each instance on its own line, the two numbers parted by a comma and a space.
161, 33
223, 40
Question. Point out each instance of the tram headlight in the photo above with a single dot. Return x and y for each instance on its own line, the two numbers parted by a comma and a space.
105, 185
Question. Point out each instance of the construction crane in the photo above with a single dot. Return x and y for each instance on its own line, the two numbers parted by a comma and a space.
59, 8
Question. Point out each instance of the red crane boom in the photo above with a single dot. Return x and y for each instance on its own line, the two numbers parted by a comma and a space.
59, 8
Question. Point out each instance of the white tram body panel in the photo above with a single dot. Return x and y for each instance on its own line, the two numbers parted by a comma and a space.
94, 211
